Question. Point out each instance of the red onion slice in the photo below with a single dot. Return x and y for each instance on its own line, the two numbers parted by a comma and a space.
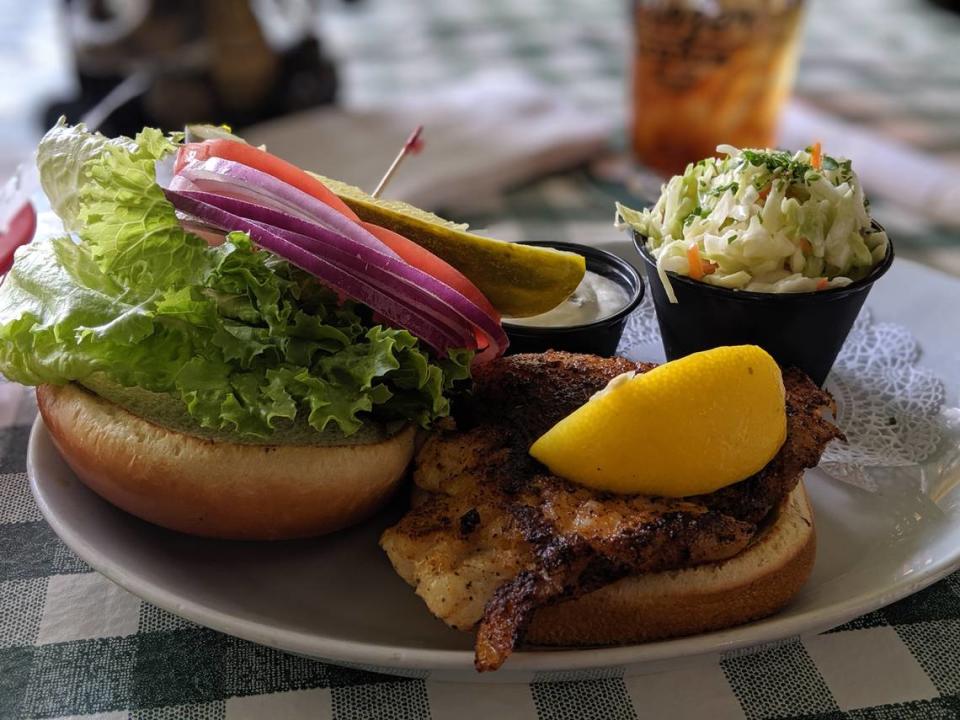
233, 179
393, 275
397, 309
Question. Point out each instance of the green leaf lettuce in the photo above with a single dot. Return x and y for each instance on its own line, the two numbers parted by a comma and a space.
246, 343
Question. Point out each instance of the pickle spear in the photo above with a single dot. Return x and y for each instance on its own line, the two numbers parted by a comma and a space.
519, 280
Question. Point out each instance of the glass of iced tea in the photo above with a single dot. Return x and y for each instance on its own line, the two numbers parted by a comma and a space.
707, 72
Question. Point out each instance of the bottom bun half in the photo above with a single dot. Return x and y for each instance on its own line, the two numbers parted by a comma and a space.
214, 488
755, 583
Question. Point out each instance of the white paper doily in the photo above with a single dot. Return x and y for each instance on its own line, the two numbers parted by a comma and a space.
889, 408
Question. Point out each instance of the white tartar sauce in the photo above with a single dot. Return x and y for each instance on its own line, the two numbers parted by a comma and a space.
596, 297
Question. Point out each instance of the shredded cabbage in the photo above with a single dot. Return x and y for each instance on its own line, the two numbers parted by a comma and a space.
764, 221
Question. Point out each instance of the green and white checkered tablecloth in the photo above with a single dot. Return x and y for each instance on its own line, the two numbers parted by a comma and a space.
72, 644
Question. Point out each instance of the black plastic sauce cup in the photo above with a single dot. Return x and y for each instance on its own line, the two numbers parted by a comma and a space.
804, 330
599, 337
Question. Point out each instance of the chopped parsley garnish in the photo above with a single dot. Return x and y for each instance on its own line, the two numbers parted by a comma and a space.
780, 163
718, 191
697, 212
772, 159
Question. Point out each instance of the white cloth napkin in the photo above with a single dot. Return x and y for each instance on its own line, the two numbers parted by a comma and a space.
482, 136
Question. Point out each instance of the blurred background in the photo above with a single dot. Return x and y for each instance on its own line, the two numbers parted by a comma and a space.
534, 125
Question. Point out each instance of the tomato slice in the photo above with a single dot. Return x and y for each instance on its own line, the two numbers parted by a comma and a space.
265, 162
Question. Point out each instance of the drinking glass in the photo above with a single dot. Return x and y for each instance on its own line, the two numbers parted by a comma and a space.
707, 72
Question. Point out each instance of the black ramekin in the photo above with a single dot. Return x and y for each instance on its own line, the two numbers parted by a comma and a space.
600, 337
804, 330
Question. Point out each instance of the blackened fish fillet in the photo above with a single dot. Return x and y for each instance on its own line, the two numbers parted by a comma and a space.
495, 536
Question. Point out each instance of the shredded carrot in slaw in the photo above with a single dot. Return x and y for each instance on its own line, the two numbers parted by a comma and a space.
693, 259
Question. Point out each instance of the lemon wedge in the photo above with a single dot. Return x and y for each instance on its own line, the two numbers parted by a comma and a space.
687, 427
519, 280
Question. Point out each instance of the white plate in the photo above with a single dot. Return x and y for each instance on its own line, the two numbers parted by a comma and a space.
337, 598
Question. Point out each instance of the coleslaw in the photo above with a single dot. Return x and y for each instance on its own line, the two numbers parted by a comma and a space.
763, 221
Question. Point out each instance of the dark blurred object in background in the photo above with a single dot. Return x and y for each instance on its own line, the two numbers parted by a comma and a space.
953, 5
232, 61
